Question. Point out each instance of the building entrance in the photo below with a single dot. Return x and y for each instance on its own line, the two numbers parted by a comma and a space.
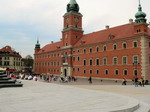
65, 72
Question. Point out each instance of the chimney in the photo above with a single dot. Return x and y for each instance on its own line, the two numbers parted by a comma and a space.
130, 21
107, 26
52, 42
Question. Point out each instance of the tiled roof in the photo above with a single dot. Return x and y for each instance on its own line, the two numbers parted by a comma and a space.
51, 47
115, 33
7, 50
110, 34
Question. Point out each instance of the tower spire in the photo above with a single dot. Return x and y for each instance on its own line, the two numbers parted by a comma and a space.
73, 6
140, 16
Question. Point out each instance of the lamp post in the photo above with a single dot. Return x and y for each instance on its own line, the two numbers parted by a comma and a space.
136, 64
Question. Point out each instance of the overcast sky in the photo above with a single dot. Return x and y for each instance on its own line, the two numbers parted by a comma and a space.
23, 21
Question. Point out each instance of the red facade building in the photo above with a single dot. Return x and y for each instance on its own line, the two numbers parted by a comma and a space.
112, 53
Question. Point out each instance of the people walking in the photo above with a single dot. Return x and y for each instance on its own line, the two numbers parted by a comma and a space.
143, 82
136, 82
90, 80
124, 82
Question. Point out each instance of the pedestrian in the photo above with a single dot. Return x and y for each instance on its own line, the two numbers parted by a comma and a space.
124, 82
136, 82
143, 82
90, 80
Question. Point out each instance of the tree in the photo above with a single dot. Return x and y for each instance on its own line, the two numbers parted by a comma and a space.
28, 63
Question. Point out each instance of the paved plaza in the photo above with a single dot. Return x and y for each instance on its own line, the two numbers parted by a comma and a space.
51, 97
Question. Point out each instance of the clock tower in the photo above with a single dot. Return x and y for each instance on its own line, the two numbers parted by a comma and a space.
72, 29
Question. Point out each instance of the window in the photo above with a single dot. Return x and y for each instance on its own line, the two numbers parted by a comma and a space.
124, 45
135, 44
97, 49
78, 69
78, 50
104, 61
116, 72
84, 71
97, 62
91, 62
124, 60
125, 72
78, 58
115, 46
73, 69
90, 50
104, 48
135, 60
149, 44
84, 51
115, 60
135, 72
84, 62
97, 71
90, 71
106, 72
66, 44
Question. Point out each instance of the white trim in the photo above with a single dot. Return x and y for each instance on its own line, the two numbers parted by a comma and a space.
123, 45
105, 71
124, 72
136, 42
116, 60
114, 45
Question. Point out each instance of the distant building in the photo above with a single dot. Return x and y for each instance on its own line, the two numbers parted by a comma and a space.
112, 53
10, 59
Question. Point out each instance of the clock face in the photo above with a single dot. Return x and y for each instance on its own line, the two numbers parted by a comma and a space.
76, 19
67, 20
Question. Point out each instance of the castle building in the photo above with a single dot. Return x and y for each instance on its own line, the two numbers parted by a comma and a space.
112, 53
10, 59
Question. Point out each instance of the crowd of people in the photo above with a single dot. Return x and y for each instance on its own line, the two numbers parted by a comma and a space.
62, 79
23, 76
136, 81
65, 79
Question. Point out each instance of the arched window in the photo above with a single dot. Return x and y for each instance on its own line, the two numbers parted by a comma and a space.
105, 61
124, 46
84, 62
97, 62
97, 49
91, 62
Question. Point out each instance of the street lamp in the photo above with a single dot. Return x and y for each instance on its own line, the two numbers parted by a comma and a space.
136, 68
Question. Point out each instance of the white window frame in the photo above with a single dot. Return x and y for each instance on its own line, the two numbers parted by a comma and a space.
115, 72
105, 71
115, 63
96, 61
123, 45
124, 72
104, 61
136, 42
114, 45
123, 60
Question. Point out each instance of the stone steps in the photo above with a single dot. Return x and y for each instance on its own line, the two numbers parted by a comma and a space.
5, 78
10, 85
7, 81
